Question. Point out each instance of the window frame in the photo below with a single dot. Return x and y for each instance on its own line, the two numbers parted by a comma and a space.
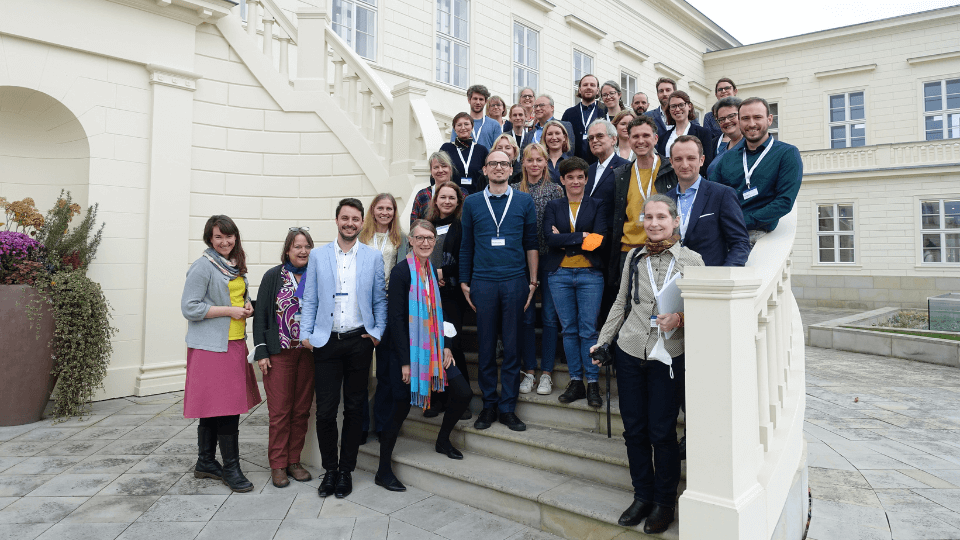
515, 64
846, 123
454, 41
628, 92
942, 231
942, 80
365, 4
775, 112
836, 233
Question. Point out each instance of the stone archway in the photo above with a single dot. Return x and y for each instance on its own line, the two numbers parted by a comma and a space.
43, 149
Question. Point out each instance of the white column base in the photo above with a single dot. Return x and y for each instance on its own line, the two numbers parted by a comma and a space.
707, 516
160, 378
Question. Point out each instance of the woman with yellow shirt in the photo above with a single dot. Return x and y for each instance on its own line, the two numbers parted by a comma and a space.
220, 384
573, 264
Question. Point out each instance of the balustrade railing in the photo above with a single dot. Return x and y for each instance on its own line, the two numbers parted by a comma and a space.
881, 156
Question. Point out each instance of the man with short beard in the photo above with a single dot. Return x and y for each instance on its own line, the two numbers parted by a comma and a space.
582, 114
640, 103
344, 316
499, 253
765, 172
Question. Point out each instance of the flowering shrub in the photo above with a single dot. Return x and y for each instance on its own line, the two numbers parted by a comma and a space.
22, 215
17, 248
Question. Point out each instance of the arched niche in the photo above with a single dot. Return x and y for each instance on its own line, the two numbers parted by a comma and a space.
43, 149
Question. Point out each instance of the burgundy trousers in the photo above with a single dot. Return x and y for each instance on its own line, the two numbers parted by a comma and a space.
289, 386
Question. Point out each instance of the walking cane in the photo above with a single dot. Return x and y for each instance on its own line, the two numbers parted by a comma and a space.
608, 402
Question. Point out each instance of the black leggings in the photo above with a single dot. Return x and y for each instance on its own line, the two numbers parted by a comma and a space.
222, 425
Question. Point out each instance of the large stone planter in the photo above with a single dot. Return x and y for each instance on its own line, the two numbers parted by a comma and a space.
25, 361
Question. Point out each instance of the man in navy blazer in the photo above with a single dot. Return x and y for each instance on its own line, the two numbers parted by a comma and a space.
344, 316
602, 137
711, 222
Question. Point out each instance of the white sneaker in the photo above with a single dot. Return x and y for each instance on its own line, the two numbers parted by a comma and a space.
546, 385
527, 385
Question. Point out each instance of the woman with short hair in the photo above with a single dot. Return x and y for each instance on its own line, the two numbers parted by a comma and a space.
220, 385
497, 110
468, 156
441, 170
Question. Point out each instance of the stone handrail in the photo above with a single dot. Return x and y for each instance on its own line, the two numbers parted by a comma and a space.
880, 156
745, 395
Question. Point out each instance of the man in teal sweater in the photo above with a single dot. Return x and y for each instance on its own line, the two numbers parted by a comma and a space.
765, 172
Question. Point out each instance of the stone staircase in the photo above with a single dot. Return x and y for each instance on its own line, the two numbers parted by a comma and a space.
562, 475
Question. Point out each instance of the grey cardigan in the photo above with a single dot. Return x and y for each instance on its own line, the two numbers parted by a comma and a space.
206, 287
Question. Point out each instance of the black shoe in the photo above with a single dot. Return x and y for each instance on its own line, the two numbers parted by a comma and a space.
683, 448
329, 483
391, 484
232, 475
634, 515
659, 519
344, 485
363, 438
207, 464
510, 420
573, 392
433, 412
448, 450
593, 395
466, 415
486, 419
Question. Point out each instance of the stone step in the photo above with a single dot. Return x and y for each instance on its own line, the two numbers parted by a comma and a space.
559, 504
560, 376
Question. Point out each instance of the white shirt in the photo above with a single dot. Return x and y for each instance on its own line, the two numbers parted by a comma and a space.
600, 168
346, 314
674, 135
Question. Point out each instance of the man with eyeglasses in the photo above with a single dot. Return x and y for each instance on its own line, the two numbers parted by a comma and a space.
499, 254
724, 88
582, 114
640, 103
485, 129
602, 137
543, 110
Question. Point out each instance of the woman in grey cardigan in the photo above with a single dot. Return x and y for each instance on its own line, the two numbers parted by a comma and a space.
220, 384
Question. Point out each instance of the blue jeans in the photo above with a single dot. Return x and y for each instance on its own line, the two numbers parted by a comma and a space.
499, 308
578, 292
548, 314
649, 406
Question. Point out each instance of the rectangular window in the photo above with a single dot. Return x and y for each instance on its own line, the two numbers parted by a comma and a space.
356, 22
629, 85
835, 233
526, 59
582, 65
940, 230
453, 42
848, 126
774, 129
941, 107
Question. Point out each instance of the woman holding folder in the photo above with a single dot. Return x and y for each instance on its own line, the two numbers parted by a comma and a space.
647, 362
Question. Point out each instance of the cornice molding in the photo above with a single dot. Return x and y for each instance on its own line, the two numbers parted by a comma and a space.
542, 5
173, 77
584, 26
189, 11
667, 70
758, 84
700, 88
845, 71
630, 51
933, 58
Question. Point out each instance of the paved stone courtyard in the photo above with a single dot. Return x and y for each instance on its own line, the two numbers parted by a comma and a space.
883, 439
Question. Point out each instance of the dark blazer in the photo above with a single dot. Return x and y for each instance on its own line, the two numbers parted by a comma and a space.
661, 127
710, 122
578, 146
666, 179
474, 166
528, 136
591, 218
716, 229
709, 153
699, 132
265, 328
398, 313
605, 188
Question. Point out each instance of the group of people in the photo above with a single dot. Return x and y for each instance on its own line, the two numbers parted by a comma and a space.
580, 223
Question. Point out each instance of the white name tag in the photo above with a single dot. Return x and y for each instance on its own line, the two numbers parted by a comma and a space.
296, 318
653, 322
467, 181
584, 136
443, 230
497, 242
750, 193
641, 218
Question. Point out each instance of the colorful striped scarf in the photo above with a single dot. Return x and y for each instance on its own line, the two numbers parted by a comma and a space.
426, 334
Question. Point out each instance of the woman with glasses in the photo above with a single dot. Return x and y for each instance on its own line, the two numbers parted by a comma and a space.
220, 384
680, 117
381, 231
286, 365
537, 183
622, 123
527, 97
557, 142
468, 156
726, 112
423, 361
611, 95
497, 110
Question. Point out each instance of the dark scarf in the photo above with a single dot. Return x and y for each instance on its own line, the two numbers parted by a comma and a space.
653, 248
463, 143
293, 269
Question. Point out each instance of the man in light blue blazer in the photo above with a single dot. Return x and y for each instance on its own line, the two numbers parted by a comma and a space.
344, 316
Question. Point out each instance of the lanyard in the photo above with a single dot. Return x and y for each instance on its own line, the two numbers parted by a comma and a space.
473, 146
298, 287
573, 217
486, 197
381, 244
719, 143
666, 277
685, 216
476, 134
590, 117
653, 170
748, 173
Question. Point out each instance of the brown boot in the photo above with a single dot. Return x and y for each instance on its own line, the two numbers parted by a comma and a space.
298, 473
279, 478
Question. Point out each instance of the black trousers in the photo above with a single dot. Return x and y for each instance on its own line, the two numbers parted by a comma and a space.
341, 363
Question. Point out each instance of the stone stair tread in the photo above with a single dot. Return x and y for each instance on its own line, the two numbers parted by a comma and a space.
473, 357
551, 400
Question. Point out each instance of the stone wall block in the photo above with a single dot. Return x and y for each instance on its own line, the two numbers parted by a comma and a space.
235, 207
205, 159
294, 165
261, 141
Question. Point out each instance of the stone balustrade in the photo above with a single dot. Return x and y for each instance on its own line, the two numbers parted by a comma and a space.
881, 156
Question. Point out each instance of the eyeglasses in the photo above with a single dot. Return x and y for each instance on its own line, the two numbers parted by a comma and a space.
539, 105
724, 89
597, 137
608, 95
299, 229
526, 96
424, 239
728, 118
677, 106
502, 164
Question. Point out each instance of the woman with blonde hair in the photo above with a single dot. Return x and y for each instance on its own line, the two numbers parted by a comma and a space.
557, 142
622, 123
507, 144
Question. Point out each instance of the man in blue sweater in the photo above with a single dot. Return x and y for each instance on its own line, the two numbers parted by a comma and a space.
498, 272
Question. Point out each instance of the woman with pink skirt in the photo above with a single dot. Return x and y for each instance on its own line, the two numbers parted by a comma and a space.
220, 384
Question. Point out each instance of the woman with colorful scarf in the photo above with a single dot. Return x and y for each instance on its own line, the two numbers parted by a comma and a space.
287, 366
220, 384
649, 387
422, 360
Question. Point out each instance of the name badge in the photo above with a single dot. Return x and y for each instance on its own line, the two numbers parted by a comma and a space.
497, 242
750, 193
653, 322
467, 181
296, 317
340, 296
641, 218
584, 136
443, 230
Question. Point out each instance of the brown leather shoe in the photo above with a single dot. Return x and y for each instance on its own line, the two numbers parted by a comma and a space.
279, 478
298, 473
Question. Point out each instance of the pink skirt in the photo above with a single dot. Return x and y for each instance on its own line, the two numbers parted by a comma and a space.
219, 383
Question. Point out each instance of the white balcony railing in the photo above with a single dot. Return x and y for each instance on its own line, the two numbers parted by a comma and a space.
881, 156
